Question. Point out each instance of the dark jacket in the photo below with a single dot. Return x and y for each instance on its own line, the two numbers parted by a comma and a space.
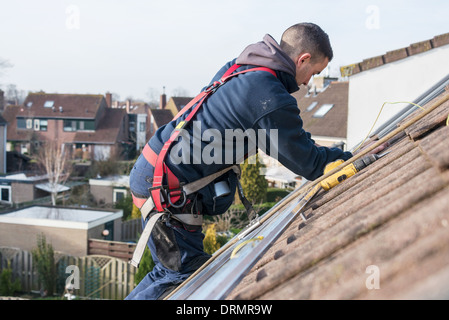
250, 102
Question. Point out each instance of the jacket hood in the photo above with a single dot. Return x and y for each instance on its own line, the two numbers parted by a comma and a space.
267, 53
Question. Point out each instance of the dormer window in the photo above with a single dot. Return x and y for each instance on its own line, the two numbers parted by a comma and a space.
321, 112
49, 104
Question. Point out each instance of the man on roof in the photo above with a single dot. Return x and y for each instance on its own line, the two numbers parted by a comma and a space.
259, 102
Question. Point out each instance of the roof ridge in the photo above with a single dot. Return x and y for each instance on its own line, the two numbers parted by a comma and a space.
395, 55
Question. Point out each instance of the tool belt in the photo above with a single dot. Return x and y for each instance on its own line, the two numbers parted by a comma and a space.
174, 194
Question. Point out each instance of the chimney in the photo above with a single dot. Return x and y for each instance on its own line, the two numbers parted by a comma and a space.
128, 104
2, 100
109, 99
163, 101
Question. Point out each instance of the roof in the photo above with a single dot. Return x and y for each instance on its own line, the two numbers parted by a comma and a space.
108, 130
162, 116
281, 174
181, 102
334, 123
46, 105
388, 221
73, 218
395, 55
391, 216
132, 107
115, 181
49, 188
13, 134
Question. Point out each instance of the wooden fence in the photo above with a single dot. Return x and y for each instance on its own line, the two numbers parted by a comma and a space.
114, 249
99, 277
131, 229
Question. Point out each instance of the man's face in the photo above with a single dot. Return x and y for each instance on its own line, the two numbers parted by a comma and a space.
305, 69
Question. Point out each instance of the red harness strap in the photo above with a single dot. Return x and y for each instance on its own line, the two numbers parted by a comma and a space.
174, 192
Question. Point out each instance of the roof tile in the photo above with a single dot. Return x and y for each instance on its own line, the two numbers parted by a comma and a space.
393, 214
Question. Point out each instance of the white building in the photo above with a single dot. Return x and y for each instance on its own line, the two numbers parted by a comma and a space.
400, 75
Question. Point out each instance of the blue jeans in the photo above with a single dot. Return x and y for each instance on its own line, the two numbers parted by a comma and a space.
177, 253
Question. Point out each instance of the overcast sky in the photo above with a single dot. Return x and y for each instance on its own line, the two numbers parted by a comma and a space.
134, 48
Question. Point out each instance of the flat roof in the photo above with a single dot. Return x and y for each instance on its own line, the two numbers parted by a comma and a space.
72, 218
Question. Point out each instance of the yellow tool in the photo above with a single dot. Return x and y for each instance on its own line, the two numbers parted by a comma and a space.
347, 171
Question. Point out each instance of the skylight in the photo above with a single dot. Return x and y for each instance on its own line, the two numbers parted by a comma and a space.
311, 106
48, 104
321, 112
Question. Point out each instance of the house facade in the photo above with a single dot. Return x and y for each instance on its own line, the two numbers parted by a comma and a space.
83, 124
392, 77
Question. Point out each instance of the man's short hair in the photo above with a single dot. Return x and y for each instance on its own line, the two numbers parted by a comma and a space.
306, 38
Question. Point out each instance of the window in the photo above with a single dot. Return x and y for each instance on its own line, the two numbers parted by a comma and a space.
142, 126
5, 194
49, 104
36, 125
321, 112
68, 126
79, 125
311, 106
29, 123
89, 125
43, 123
119, 194
21, 123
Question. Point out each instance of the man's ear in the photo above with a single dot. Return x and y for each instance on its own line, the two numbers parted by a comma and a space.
303, 58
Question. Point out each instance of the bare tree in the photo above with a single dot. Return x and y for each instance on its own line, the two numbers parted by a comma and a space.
180, 92
54, 160
3, 65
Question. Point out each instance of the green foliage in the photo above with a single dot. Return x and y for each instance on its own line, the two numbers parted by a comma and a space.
7, 286
145, 266
44, 261
126, 204
253, 183
103, 168
276, 194
210, 240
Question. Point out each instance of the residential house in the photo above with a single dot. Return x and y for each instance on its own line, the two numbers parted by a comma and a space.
175, 104
324, 110
83, 123
138, 117
392, 77
143, 120
159, 118
20, 188
109, 190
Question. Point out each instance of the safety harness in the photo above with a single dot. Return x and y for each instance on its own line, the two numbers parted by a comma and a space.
175, 193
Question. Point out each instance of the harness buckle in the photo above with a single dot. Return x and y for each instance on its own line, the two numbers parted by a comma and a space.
166, 195
183, 197
214, 86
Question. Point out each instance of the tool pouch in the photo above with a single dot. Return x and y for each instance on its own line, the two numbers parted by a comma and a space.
167, 249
